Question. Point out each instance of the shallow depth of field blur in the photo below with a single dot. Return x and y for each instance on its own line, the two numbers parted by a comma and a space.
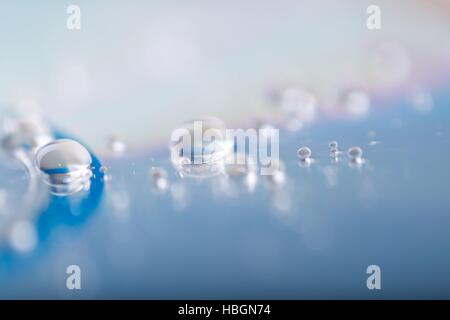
137, 69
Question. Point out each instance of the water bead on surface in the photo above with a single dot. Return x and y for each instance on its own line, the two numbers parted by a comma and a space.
199, 148
354, 153
65, 166
304, 153
333, 145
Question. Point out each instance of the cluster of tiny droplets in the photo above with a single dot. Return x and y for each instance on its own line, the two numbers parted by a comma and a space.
353, 153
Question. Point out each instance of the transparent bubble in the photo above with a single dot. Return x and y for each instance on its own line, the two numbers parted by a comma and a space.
65, 166
199, 148
333, 144
304, 153
354, 153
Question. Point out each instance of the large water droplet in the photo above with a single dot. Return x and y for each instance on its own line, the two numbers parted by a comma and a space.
65, 166
199, 148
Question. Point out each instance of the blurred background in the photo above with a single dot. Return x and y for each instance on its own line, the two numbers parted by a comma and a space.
137, 69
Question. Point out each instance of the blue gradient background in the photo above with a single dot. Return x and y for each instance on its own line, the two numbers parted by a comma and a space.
225, 242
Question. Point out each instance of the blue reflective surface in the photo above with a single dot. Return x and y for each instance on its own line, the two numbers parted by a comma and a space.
312, 238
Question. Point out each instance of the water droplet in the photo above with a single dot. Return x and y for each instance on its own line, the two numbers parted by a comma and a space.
304, 153
65, 166
355, 157
354, 153
199, 148
333, 144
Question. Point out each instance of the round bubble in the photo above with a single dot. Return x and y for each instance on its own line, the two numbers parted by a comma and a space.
304, 153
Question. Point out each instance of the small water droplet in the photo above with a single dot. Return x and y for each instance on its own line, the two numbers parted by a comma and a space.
304, 153
333, 144
354, 153
355, 157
